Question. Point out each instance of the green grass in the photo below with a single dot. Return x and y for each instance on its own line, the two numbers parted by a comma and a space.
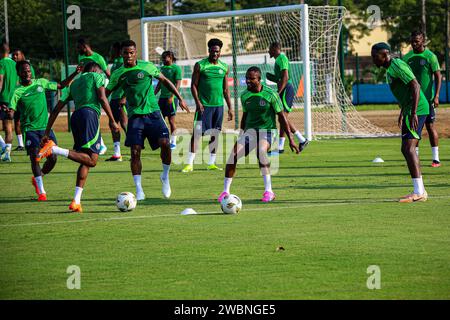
335, 215
374, 107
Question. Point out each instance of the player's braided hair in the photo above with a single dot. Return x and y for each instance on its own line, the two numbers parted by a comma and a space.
215, 42
20, 64
170, 54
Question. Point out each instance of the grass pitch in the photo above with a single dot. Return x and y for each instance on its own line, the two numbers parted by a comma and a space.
335, 215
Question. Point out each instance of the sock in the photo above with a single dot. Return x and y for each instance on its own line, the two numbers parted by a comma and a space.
418, 185
227, 184
267, 183
8, 147
299, 136
435, 152
191, 157
20, 140
281, 143
212, 159
77, 196
40, 184
417, 151
173, 139
60, 151
137, 182
117, 149
166, 169
2, 142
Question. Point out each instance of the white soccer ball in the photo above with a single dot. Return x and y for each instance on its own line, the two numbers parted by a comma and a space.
231, 204
126, 201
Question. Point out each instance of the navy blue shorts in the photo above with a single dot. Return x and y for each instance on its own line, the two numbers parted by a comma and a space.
86, 130
210, 119
168, 109
287, 97
251, 138
150, 126
32, 139
432, 116
116, 109
407, 133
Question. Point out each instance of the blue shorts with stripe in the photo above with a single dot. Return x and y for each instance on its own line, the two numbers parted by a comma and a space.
168, 109
32, 139
86, 130
146, 126
287, 97
210, 119
408, 133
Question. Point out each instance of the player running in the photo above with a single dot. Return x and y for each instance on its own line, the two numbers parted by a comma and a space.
118, 104
425, 65
8, 82
414, 108
30, 103
17, 55
209, 87
283, 79
88, 94
144, 117
260, 104
167, 102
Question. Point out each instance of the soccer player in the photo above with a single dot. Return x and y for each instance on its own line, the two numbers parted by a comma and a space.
425, 65
414, 108
118, 104
209, 87
260, 104
30, 103
88, 94
144, 117
17, 55
283, 79
8, 83
167, 103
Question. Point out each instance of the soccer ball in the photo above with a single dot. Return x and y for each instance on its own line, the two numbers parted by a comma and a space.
231, 204
126, 201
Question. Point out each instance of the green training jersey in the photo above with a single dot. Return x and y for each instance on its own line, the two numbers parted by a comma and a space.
10, 79
173, 73
210, 84
83, 91
117, 63
423, 65
282, 63
261, 108
82, 59
31, 103
399, 75
136, 82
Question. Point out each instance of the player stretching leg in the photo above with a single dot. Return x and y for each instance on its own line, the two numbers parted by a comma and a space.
88, 94
415, 109
260, 104
30, 103
145, 120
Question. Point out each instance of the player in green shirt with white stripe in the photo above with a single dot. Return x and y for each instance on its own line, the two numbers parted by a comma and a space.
425, 66
415, 109
260, 105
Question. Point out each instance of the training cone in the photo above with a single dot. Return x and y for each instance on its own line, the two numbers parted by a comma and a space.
188, 211
377, 160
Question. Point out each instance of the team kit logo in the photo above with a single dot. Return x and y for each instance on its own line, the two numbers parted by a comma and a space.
140, 75
262, 103
40, 89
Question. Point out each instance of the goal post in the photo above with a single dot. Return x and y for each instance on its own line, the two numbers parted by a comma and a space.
308, 36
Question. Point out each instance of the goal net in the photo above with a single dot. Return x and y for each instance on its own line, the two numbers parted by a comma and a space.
309, 38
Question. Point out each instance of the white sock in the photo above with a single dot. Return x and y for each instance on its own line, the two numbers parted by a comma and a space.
417, 151
435, 152
2, 142
40, 184
191, 157
166, 169
212, 159
418, 185
20, 140
173, 139
299, 136
281, 143
8, 147
60, 151
137, 182
77, 196
101, 142
267, 183
227, 184
117, 149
